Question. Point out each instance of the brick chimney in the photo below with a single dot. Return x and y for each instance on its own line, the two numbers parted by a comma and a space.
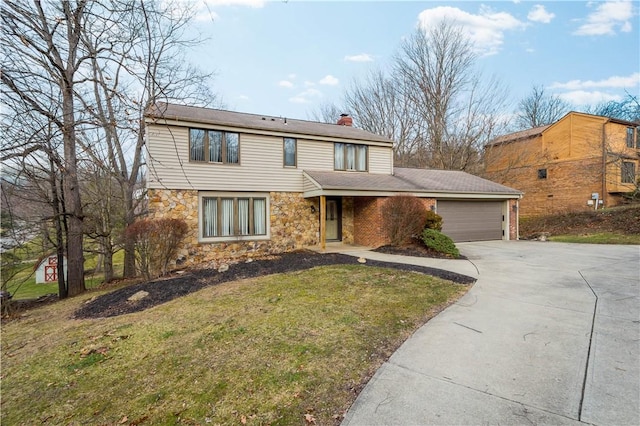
345, 120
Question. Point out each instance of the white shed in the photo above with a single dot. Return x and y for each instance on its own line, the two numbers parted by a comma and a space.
47, 270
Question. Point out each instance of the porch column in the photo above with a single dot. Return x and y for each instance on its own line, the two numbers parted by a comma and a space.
323, 222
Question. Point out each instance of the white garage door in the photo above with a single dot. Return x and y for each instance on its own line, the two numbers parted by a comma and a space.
471, 220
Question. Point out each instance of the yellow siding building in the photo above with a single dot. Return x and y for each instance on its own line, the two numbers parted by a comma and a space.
580, 162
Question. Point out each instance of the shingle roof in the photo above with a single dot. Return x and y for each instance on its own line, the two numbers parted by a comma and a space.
523, 134
451, 181
259, 122
410, 180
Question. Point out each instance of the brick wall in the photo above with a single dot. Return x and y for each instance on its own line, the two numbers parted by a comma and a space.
568, 186
368, 222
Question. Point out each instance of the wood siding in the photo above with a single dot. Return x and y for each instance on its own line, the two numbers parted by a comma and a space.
574, 152
261, 163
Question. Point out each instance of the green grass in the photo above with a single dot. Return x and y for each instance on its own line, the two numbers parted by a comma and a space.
269, 350
23, 284
597, 238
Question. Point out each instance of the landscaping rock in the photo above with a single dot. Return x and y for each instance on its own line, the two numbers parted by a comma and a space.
138, 296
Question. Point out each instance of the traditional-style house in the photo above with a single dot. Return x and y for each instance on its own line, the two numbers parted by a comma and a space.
250, 184
580, 162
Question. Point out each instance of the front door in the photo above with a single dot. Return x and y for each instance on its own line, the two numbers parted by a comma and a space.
333, 219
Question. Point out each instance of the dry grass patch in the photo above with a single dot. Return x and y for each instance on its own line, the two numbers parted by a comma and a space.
291, 348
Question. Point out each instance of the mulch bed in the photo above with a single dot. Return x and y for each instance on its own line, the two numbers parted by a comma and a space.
160, 291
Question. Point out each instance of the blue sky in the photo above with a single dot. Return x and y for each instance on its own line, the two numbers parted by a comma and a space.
285, 58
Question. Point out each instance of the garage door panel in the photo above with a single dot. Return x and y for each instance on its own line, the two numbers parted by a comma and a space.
471, 220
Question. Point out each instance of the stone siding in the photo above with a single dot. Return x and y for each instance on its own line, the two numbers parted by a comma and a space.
293, 226
347, 220
513, 219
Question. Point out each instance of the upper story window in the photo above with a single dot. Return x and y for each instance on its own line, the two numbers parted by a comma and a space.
628, 172
214, 146
638, 137
630, 133
290, 152
350, 157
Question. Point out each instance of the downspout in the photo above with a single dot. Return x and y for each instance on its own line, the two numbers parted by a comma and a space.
604, 167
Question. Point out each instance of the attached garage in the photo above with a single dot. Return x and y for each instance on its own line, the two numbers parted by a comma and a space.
472, 208
472, 220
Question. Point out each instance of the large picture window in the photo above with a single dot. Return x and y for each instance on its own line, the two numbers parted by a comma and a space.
233, 216
350, 157
214, 146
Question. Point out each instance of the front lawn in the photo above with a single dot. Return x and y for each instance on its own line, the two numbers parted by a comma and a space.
290, 348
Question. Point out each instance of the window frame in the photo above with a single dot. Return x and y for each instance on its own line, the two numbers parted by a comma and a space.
356, 149
236, 197
630, 177
638, 137
295, 153
206, 147
630, 137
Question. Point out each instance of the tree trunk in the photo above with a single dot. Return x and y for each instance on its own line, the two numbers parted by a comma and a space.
71, 189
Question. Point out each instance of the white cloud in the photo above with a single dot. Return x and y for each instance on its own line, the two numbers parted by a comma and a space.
362, 57
308, 83
291, 76
205, 12
614, 82
250, 3
539, 14
608, 16
243, 97
486, 29
583, 97
305, 97
329, 80
285, 83
299, 100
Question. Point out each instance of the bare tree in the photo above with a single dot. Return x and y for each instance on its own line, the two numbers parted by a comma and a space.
42, 65
435, 104
91, 69
539, 109
457, 108
378, 105
146, 65
627, 109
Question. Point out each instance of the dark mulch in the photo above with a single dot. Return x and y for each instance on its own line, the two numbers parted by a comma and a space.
416, 249
160, 291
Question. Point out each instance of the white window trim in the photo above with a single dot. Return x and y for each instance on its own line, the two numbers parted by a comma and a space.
216, 194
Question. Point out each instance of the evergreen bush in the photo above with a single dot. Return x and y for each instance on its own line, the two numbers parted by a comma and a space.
439, 242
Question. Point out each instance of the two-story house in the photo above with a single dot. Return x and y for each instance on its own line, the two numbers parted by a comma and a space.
580, 162
250, 184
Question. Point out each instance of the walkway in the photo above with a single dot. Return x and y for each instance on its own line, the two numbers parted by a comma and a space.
549, 334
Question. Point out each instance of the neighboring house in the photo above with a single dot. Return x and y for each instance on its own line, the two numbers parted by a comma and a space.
580, 162
251, 184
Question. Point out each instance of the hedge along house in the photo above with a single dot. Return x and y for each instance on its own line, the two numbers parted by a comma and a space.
250, 185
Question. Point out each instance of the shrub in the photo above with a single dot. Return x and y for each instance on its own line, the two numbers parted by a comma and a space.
434, 221
403, 218
439, 242
156, 243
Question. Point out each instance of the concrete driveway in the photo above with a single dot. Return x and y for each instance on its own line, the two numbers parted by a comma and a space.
549, 334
